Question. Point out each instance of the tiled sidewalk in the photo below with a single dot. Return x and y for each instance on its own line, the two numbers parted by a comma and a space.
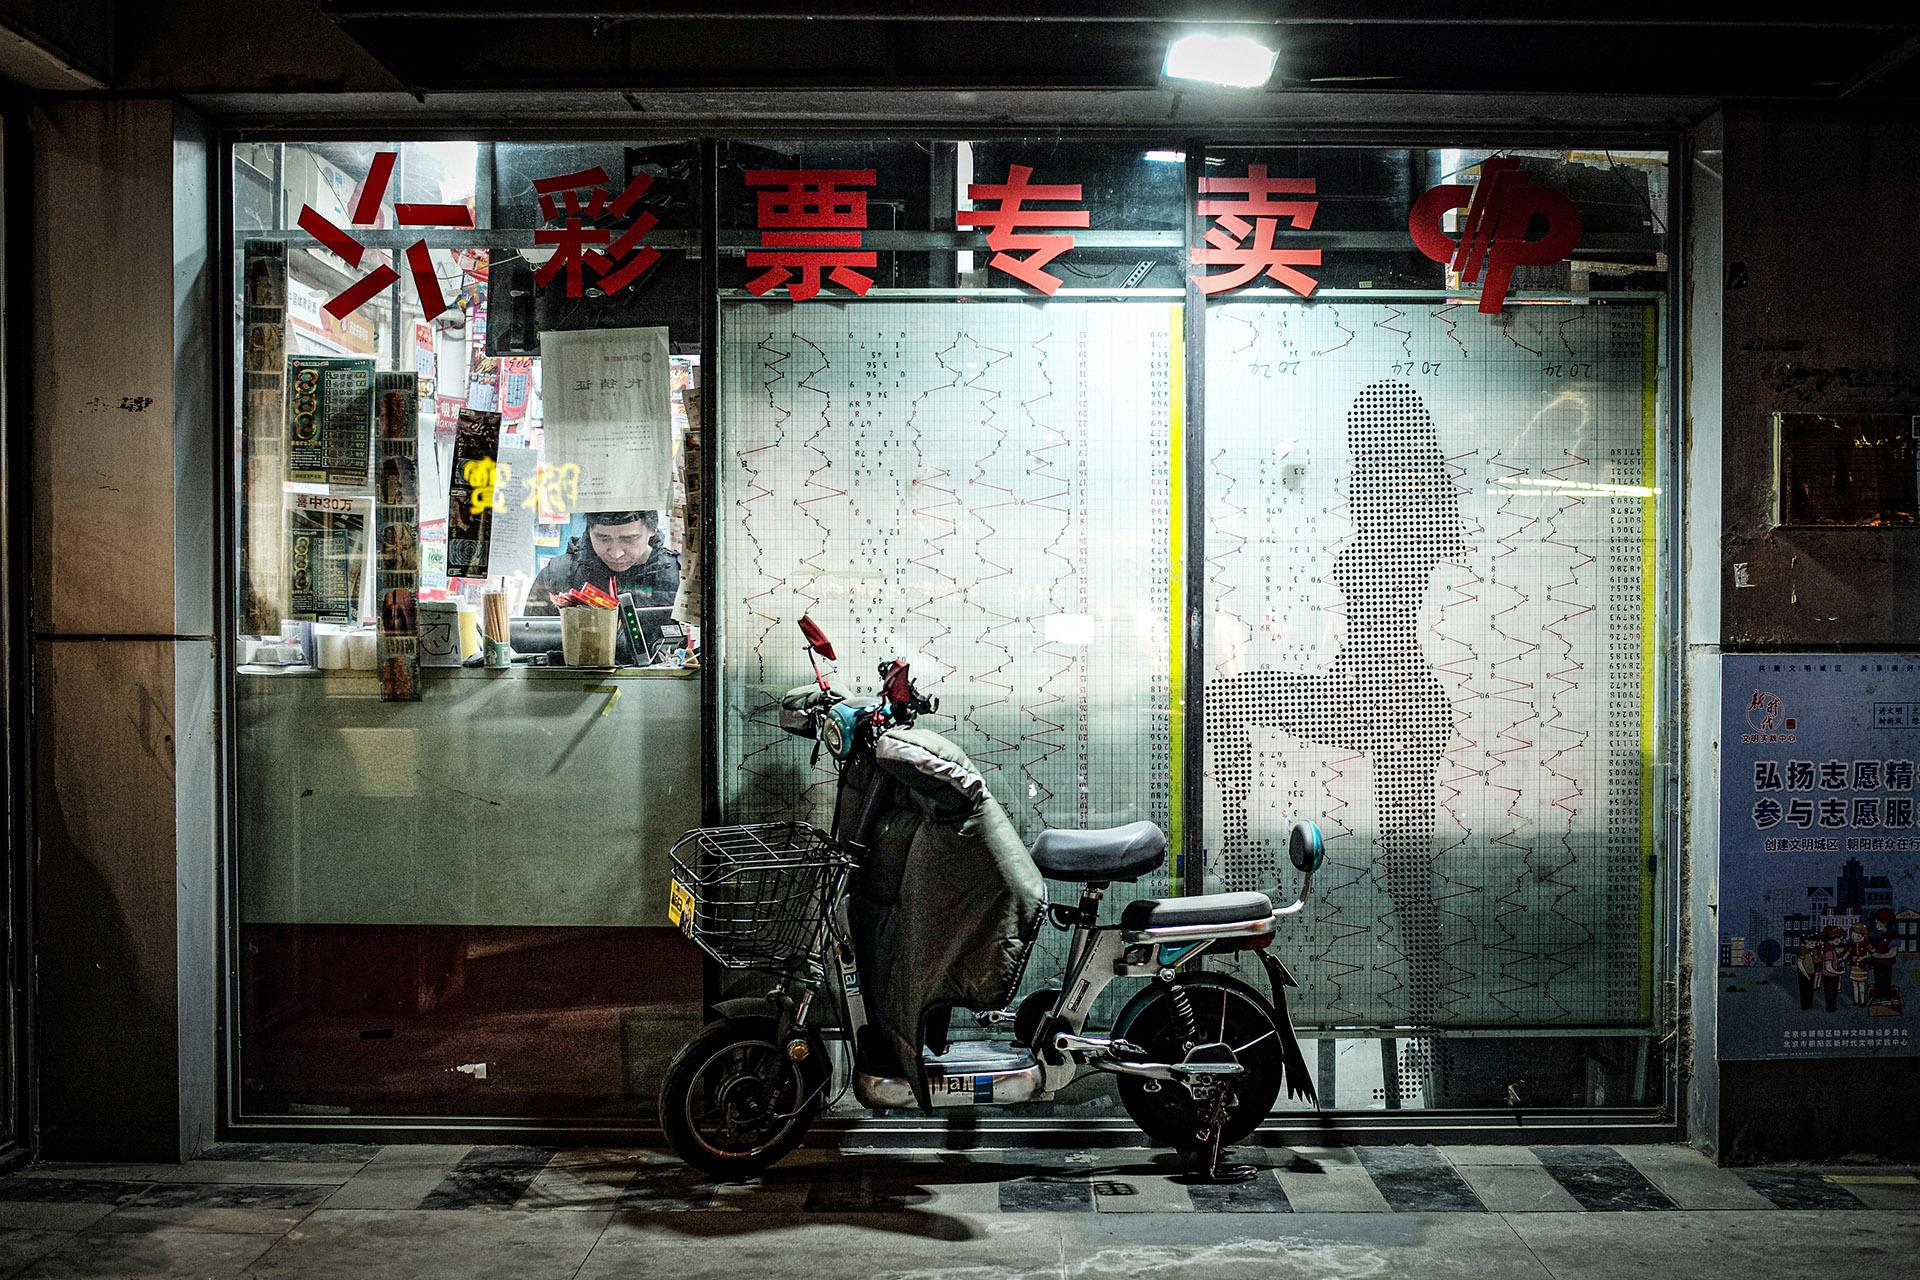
429, 1211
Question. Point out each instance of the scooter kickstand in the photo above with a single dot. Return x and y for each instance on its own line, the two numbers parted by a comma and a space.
1210, 1172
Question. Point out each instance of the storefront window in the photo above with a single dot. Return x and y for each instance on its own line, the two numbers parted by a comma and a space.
1364, 446
470, 384
1435, 557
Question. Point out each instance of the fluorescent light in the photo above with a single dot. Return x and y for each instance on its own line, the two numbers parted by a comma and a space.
1237, 61
1167, 157
1545, 485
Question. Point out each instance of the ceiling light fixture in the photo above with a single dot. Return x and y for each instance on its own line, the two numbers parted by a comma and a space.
1239, 62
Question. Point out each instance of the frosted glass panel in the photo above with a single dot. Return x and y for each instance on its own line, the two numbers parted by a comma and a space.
1431, 540
983, 489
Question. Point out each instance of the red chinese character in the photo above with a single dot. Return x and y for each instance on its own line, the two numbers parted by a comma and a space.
1247, 247
809, 211
1001, 222
576, 241
366, 213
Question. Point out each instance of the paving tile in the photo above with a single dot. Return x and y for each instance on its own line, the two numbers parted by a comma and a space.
581, 1179
488, 1178
1462, 1156
70, 1190
106, 1172
1691, 1180
1800, 1189
399, 1177
1815, 1245
271, 1209
260, 1171
150, 1255
1517, 1188
1332, 1189
1261, 1193
1141, 1193
36, 1215
415, 1244
1418, 1180
1896, 1192
666, 1189
18, 1249
1601, 1179
294, 1152
1062, 1193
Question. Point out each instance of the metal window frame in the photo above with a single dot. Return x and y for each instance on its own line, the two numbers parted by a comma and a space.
1660, 1122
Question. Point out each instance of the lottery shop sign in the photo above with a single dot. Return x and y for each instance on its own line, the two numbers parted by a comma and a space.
810, 227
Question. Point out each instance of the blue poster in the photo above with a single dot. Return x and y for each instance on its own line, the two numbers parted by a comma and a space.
1819, 856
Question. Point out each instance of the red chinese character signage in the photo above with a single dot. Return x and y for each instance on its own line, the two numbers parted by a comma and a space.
366, 213
1493, 238
579, 245
1009, 199
810, 221
1247, 248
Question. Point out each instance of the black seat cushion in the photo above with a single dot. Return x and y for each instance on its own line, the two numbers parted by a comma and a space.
1207, 908
1117, 853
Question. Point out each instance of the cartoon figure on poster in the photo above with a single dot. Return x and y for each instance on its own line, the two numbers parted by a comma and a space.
1820, 848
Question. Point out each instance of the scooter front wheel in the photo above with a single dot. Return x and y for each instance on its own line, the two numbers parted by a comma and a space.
1217, 1010
733, 1101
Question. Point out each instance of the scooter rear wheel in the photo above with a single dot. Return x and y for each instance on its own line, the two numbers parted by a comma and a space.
733, 1102
1223, 1011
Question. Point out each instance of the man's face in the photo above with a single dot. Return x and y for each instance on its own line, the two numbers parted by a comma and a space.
621, 546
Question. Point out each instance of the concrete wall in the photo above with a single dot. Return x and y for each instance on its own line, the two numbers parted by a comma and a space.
123, 654
1821, 279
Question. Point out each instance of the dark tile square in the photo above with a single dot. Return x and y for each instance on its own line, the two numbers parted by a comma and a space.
293, 1152
218, 1195
1259, 1194
1799, 1189
70, 1190
1046, 1195
1418, 1180
1602, 1179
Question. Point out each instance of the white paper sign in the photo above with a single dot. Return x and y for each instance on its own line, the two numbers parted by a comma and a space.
608, 407
513, 517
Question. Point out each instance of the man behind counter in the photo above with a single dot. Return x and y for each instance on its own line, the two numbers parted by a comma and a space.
622, 545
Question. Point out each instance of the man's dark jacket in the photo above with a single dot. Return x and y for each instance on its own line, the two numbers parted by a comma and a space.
654, 581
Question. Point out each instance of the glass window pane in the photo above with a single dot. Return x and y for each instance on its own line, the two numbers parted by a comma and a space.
1435, 544
456, 904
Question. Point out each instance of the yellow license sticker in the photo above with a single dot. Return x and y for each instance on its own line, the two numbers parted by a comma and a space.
680, 907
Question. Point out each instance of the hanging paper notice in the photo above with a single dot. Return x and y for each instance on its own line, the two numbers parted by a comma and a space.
514, 501
329, 419
476, 447
397, 514
606, 398
326, 556
516, 386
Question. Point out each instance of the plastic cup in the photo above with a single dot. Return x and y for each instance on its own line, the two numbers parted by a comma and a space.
586, 635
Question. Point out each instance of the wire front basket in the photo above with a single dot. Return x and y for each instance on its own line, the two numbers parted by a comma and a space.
753, 897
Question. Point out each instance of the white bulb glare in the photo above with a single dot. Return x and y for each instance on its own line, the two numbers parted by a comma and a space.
1240, 62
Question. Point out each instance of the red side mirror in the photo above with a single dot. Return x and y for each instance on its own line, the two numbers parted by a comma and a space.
816, 638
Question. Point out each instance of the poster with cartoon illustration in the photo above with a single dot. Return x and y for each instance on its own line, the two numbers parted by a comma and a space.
1819, 856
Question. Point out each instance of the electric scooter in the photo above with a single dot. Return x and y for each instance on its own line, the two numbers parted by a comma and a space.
1199, 1057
